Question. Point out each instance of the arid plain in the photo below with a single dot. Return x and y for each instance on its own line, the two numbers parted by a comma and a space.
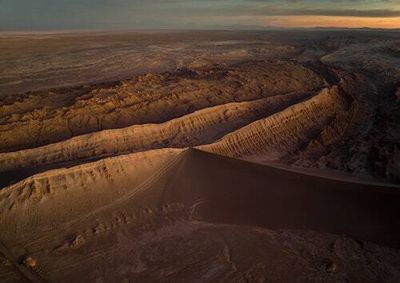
265, 156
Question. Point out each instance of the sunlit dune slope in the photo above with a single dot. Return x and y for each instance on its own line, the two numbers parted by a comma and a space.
60, 223
229, 191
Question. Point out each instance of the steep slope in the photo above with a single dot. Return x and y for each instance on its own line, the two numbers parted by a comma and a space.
151, 98
283, 132
195, 186
294, 128
210, 172
317, 132
199, 127
70, 188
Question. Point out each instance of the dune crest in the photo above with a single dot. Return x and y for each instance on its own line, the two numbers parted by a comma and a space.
254, 156
191, 191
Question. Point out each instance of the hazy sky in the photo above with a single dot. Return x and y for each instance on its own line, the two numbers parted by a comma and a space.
195, 14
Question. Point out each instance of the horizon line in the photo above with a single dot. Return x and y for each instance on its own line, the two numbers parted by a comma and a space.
271, 28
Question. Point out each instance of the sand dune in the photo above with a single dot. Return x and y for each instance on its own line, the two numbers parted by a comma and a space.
189, 187
237, 161
298, 124
102, 181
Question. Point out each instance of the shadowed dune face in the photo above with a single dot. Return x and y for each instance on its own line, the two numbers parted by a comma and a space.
196, 194
218, 153
47, 129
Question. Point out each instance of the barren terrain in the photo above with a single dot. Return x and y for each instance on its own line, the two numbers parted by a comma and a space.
200, 156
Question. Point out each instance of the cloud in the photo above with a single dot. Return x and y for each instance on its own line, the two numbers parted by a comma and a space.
375, 13
137, 14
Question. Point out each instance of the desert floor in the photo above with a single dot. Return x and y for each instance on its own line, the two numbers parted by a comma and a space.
263, 156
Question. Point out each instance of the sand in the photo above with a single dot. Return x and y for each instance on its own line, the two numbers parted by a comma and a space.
197, 192
226, 157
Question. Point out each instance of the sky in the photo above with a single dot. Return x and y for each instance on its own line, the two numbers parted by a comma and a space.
47, 15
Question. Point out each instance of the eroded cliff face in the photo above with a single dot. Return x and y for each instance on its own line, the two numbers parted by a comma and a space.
222, 91
151, 98
308, 115
300, 128
247, 119
103, 173
196, 128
